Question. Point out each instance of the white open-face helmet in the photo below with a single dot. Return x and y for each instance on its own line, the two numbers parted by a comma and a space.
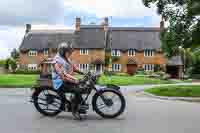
64, 47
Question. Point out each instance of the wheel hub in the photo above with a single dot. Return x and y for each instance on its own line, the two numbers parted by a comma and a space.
49, 99
109, 102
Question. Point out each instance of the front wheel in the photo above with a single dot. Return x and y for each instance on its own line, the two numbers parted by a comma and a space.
109, 103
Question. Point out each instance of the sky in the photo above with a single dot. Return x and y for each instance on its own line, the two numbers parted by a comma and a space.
61, 14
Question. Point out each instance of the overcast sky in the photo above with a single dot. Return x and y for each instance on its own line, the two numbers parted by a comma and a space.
60, 14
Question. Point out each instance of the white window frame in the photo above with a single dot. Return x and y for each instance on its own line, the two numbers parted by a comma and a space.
32, 53
131, 52
148, 67
32, 67
83, 67
115, 52
46, 52
116, 67
83, 51
148, 53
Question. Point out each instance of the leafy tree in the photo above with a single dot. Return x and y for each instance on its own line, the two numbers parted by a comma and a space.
182, 22
7, 64
183, 30
2, 62
10, 63
14, 54
13, 64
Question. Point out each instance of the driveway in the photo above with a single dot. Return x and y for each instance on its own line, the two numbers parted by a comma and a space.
141, 116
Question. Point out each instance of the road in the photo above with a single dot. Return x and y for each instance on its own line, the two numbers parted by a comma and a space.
143, 115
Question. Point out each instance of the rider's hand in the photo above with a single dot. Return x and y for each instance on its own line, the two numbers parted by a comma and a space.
76, 81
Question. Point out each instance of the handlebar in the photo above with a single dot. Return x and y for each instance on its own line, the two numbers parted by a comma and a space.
89, 75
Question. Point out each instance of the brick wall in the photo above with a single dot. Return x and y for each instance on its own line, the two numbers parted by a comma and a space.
86, 59
158, 58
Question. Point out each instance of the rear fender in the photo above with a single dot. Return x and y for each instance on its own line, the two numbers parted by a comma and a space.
38, 89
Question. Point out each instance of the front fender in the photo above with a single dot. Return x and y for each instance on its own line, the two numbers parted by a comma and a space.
112, 86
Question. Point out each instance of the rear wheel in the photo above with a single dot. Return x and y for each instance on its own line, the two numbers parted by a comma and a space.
48, 102
109, 103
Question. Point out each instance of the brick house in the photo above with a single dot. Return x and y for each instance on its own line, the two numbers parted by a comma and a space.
132, 47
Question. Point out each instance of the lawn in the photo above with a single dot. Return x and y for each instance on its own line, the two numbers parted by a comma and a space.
19, 80
131, 80
176, 91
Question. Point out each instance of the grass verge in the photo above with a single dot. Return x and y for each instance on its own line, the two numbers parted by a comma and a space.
17, 80
176, 91
28, 80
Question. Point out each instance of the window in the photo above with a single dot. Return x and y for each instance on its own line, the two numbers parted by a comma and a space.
32, 53
131, 52
83, 67
46, 52
115, 52
32, 66
116, 67
83, 51
149, 67
148, 52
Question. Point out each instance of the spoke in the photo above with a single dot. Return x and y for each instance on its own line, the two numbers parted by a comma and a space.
50, 109
57, 102
44, 93
43, 104
42, 99
101, 106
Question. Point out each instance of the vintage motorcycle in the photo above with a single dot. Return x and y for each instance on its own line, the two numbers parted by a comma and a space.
106, 101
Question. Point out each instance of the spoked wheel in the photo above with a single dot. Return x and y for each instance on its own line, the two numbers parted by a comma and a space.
48, 102
109, 103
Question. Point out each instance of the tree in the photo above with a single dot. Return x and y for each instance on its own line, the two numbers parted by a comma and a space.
13, 65
14, 54
183, 30
181, 15
2, 62
10, 63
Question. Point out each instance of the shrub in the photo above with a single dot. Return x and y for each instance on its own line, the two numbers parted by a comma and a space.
140, 71
122, 74
148, 72
106, 72
157, 68
162, 75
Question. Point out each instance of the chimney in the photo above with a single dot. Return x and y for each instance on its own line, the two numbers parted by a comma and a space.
28, 28
105, 24
78, 24
162, 24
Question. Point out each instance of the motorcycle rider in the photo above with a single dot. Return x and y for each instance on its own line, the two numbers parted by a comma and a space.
63, 78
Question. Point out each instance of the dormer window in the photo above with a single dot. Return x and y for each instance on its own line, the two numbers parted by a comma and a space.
131, 52
148, 53
32, 53
115, 52
83, 51
46, 52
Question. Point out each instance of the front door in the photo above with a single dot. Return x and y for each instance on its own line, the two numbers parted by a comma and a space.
173, 71
98, 68
131, 69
